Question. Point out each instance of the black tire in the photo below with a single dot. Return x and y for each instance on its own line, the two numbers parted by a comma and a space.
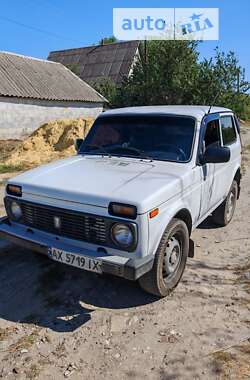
224, 213
159, 281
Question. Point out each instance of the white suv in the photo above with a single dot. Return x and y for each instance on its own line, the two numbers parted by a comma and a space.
127, 203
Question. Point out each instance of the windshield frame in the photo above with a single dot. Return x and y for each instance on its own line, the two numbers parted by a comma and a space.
143, 115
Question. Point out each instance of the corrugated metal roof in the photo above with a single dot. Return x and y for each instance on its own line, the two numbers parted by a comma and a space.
27, 77
103, 61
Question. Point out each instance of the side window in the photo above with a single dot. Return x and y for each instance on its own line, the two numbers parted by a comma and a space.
227, 130
212, 135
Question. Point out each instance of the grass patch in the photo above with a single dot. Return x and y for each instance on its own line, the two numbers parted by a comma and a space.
11, 168
7, 147
242, 273
222, 364
25, 342
235, 365
244, 162
32, 372
60, 350
5, 333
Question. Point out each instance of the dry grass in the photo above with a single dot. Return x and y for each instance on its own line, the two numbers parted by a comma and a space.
32, 372
60, 350
25, 342
244, 163
7, 147
5, 333
243, 278
222, 362
234, 364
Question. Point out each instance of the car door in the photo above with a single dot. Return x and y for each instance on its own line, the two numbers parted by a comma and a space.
230, 138
210, 173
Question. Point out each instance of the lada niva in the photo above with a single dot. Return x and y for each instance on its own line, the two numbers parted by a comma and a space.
126, 204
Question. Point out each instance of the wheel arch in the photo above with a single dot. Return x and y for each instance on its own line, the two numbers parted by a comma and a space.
157, 227
237, 178
185, 216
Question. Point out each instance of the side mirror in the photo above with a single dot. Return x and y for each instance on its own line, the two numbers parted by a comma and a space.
216, 154
78, 143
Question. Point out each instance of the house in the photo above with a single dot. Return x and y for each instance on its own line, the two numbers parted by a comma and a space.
93, 63
34, 91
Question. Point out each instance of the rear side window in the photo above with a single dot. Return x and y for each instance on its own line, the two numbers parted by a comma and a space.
228, 130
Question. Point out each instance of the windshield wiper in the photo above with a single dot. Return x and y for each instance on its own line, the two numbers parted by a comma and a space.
109, 151
97, 149
139, 153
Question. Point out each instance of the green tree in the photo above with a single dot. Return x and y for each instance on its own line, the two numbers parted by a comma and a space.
74, 68
107, 88
107, 40
169, 72
221, 80
164, 74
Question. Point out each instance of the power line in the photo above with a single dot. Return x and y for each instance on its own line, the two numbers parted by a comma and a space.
38, 29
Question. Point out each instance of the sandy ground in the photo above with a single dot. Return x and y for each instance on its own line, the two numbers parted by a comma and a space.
58, 322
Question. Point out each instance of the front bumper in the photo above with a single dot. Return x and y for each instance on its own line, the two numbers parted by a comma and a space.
39, 241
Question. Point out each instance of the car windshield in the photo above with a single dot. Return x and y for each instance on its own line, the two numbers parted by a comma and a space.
161, 137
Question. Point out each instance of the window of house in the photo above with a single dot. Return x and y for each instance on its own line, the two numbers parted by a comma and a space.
212, 135
227, 130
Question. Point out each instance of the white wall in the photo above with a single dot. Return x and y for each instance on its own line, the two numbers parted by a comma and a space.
20, 117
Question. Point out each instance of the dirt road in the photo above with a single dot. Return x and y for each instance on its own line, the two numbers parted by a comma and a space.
58, 322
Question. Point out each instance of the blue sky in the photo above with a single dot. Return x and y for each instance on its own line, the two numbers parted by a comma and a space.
75, 23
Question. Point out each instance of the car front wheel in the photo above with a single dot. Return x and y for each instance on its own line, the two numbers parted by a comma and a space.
170, 260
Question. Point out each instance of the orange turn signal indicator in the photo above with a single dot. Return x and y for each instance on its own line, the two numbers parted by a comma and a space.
153, 213
123, 210
14, 190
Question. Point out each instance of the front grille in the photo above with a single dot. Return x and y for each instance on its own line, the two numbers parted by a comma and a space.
73, 225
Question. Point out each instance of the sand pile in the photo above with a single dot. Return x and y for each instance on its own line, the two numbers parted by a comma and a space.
51, 141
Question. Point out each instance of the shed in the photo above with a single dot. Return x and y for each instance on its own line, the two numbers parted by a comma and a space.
34, 91
92, 63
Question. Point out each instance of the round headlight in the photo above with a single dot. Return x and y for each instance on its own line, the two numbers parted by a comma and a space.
122, 234
16, 210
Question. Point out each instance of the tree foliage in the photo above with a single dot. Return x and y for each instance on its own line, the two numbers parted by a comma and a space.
75, 69
221, 80
107, 40
169, 72
164, 74
107, 88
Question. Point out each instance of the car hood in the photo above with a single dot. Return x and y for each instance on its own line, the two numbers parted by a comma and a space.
97, 180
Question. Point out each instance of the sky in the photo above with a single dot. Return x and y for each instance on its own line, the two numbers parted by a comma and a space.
36, 27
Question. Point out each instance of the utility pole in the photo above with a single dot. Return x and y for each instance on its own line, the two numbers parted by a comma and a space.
146, 70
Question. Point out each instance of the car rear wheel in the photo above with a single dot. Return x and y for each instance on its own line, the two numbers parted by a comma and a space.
224, 213
170, 260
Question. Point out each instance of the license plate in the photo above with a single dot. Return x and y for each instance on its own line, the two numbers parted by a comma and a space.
75, 260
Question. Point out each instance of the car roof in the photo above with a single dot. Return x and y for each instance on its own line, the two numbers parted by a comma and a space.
195, 111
